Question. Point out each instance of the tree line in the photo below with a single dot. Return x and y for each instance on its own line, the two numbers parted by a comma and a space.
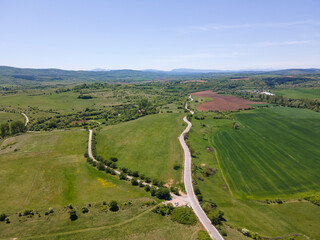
12, 128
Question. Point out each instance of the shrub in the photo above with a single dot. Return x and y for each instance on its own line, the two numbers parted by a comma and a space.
141, 184
113, 206
84, 210
155, 182
175, 190
86, 155
163, 193
113, 165
28, 212
153, 191
200, 197
51, 210
163, 209
3, 217
7, 220
147, 188
176, 166
134, 181
135, 174
216, 217
113, 159
125, 170
123, 176
148, 180
183, 215
108, 170
70, 206
223, 233
142, 176
73, 215
101, 166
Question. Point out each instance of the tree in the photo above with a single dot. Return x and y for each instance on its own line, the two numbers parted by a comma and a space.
216, 217
183, 215
123, 176
84, 210
113, 206
163, 193
101, 166
135, 174
73, 215
134, 181
4, 130
3, 217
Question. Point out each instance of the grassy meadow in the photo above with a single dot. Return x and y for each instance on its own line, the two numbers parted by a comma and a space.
274, 153
293, 217
53, 172
6, 116
149, 145
43, 170
309, 93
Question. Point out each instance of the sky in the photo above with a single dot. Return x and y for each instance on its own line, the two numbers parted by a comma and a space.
160, 34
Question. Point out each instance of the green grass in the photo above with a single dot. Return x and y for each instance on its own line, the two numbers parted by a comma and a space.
49, 170
5, 117
275, 153
63, 102
269, 220
309, 93
149, 145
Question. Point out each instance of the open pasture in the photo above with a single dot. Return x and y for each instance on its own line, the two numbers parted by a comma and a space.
6, 116
274, 153
149, 145
49, 170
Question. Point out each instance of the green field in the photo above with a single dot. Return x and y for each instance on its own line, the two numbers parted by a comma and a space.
275, 153
149, 145
53, 172
309, 93
63, 102
5, 117
42, 170
270, 220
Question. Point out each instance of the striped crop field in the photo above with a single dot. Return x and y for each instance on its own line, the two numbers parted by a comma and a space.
274, 153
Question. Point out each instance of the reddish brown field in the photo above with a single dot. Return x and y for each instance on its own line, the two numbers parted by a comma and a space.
222, 103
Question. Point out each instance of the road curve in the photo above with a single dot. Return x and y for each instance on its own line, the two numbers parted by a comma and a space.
193, 201
27, 119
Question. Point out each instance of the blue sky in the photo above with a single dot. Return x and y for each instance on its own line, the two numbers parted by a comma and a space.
144, 34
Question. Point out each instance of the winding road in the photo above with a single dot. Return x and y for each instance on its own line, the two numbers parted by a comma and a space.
193, 201
191, 198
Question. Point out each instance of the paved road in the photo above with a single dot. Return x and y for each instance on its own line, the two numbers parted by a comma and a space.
27, 119
193, 201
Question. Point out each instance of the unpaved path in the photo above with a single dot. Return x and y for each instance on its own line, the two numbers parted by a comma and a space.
27, 119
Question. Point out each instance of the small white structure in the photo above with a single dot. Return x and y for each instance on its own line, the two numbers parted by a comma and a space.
267, 93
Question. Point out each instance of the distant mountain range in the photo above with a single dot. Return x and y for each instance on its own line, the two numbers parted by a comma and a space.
16, 75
